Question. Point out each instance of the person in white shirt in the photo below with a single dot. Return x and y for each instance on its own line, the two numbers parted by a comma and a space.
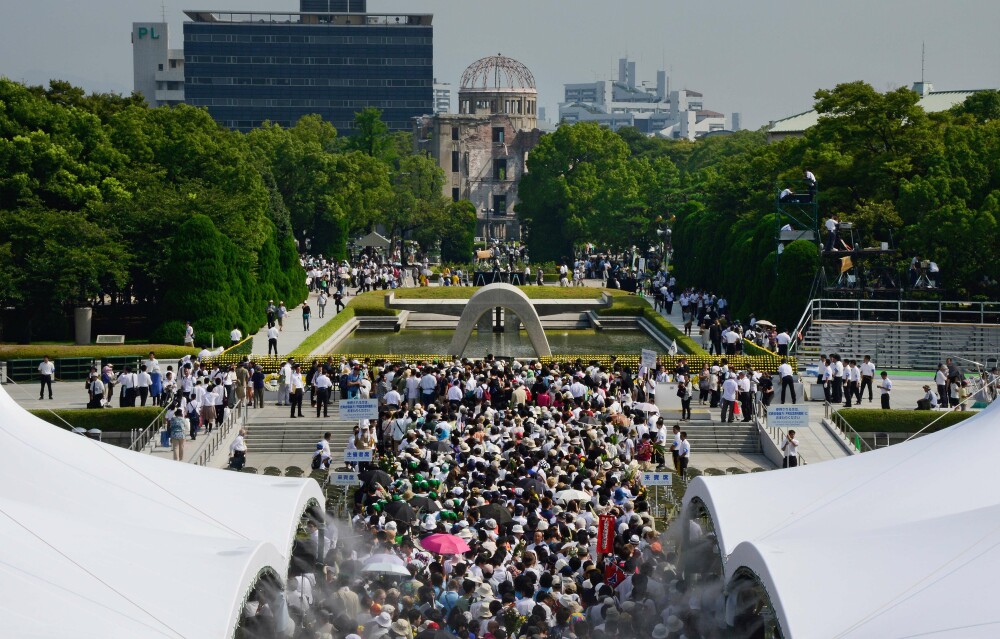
96, 391
684, 454
867, 369
143, 383
852, 377
46, 372
235, 335
787, 381
885, 387
272, 340
832, 227
838, 378
790, 449
284, 375
929, 401
206, 399
324, 386
745, 396
941, 380
238, 451
782, 340
128, 382
729, 390
296, 389
412, 388
188, 334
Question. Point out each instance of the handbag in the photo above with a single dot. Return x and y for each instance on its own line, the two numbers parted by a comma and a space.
165, 438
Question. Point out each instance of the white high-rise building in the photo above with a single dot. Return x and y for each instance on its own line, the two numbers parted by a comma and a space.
442, 97
653, 109
158, 70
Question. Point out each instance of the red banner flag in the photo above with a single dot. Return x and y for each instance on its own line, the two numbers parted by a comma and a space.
606, 534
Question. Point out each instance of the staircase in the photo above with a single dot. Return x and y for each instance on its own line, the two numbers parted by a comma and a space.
272, 431
722, 438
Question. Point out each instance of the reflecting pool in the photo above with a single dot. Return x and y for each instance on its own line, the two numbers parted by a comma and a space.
568, 342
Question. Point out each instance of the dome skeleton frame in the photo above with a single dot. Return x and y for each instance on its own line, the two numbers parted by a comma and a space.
495, 72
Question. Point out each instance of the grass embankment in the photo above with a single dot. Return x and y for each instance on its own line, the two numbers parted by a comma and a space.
94, 351
626, 305
866, 420
108, 420
465, 292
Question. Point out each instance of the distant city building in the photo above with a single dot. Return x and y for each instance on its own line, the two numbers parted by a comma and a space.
653, 110
483, 148
930, 100
442, 97
157, 70
331, 58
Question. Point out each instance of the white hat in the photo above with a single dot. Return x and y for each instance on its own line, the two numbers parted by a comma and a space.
674, 624
660, 631
518, 528
383, 619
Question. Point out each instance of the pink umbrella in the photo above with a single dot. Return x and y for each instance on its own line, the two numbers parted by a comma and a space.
444, 544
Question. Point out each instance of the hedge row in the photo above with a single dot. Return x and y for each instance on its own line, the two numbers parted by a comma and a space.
107, 420
93, 351
866, 420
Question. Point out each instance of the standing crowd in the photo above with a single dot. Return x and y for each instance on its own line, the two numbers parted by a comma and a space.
478, 516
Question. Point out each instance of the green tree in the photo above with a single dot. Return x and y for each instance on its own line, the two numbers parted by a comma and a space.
458, 239
51, 260
370, 134
565, 195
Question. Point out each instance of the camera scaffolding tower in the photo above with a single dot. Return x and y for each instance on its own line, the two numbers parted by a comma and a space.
797, 215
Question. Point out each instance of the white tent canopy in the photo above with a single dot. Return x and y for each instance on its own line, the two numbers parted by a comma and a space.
902, 541
375, 240
104, 542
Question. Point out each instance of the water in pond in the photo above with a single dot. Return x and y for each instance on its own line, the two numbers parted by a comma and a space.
570, 342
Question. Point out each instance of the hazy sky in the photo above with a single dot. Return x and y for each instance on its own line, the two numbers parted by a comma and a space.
763, 58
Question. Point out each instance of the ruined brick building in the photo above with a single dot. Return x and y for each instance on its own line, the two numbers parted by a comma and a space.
484, 147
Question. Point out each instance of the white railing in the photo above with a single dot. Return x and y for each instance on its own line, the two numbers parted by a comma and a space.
847, 431
143, 437
236, 417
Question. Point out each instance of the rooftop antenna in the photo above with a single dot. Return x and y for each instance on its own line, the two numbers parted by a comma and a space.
163, 12
922, 50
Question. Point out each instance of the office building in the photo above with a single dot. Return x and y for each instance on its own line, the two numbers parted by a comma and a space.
251, 67
484, 147
442, 97
157, 70
652, 109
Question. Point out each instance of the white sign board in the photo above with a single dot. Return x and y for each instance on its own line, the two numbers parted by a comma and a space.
657, 479
648, 359
344, 479
357, 409
788, 417
355, 456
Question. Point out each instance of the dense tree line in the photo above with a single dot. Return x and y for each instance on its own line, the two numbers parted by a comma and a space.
103, 200
930, 182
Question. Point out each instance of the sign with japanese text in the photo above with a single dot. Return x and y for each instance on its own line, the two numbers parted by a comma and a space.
606, 534
355, 456
358, 409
